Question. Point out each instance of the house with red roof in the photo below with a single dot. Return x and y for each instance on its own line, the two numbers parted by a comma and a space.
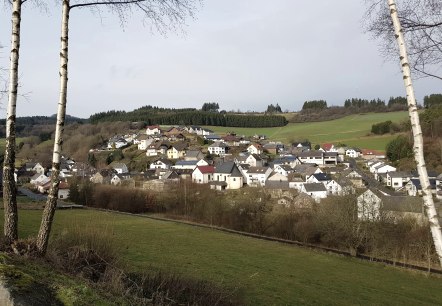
203, 174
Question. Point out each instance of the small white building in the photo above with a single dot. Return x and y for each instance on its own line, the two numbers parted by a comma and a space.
217, 148
203, 174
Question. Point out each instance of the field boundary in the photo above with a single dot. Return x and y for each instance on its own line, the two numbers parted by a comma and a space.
363, 257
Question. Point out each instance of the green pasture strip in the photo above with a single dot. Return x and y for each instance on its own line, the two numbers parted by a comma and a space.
268, 273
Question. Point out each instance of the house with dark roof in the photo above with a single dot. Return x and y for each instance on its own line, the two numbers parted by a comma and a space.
414, 187
227, 176
176, 150
373, 205
194, 155
315, 190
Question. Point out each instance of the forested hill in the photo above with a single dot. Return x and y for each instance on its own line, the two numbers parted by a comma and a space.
37, 120
154, 115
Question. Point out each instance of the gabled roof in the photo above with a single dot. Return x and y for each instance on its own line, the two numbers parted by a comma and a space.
164, 161
311, 154
193, 153
314, 187
398, 174
179, 146
258, 170
228, 168
206, 169
218, 144
186, 163
327, 146
321, 177
417, 183
153, 127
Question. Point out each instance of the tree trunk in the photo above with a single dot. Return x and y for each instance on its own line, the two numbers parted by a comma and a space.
9, 187
417, 134
51, 204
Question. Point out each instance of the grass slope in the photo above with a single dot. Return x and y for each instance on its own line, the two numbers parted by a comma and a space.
269, 273
352, 130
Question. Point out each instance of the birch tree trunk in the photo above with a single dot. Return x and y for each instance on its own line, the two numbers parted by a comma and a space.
417, 134
51, 204
9, 187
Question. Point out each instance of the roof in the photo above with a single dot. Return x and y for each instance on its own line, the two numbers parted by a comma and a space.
314, 187
186, 163
179, 146
327, 146
311, 154
218, 144
228, 168
206, 169
118, 165
258, 170
322, 177
164, 161
398, 174
153, 127
417, 183
193, 153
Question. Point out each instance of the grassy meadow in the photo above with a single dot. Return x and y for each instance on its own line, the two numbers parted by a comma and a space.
353, 130
267, 273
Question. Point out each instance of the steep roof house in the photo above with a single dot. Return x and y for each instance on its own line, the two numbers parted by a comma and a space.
153, 130
176, 150
227, 176
254, 148
316, 190
374, 205
203, 174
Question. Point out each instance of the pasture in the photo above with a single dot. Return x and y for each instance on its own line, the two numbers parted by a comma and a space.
353, 130
267, 273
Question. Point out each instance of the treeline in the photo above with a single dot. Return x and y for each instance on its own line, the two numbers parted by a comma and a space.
36, 125
317, 110
433, 100
273, 108
315, 104
193, 118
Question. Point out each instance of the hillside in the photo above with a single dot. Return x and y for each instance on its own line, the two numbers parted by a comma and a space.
353, 130
268, 273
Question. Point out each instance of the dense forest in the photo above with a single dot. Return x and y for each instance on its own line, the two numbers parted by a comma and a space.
154, 115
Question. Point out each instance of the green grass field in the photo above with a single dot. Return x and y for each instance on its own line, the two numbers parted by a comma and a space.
268, 273
352, 130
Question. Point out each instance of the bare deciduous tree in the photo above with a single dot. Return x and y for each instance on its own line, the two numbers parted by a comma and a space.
417, 132
162, 14
9, 187
421, 22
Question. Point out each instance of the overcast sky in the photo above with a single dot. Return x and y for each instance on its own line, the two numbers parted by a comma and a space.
243, 54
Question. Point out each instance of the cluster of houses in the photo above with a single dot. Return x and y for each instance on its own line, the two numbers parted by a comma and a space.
232, 162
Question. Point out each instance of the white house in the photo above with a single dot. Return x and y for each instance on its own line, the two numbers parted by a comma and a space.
383, 168
353, 152
153, 130
203, 174
116, 143
254, 160
227, 176
39, 178
283, 169
254, 149
217, 148
120, 168
161, 164
372, 205
316, 190
257, 176
144, 142
397, 179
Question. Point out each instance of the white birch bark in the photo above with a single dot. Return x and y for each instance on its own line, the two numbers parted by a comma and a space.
51, 204
418, 147
9, 188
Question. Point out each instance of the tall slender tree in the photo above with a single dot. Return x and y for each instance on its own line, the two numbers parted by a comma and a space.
164, 14
9, 187
417, 132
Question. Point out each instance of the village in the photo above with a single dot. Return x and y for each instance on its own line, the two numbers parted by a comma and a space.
232, 162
